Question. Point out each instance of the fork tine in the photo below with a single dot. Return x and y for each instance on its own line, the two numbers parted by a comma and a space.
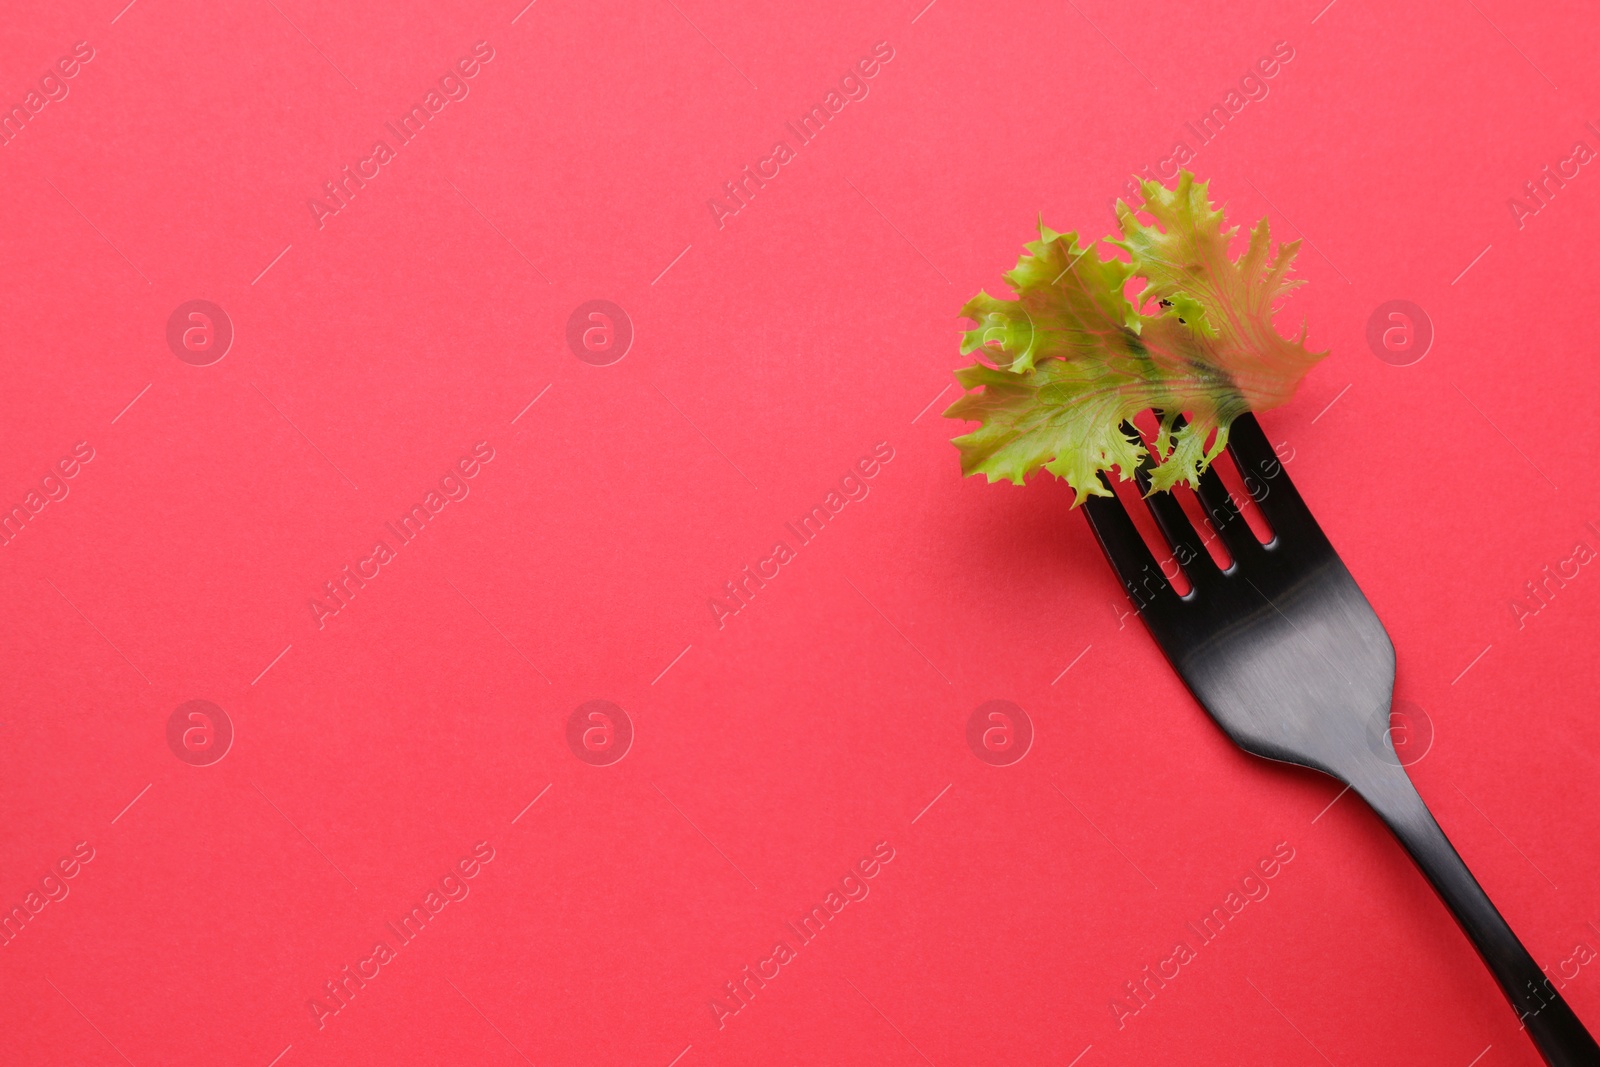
1180, 533
1225, 516
1267, 481
1249, 442
1129, 556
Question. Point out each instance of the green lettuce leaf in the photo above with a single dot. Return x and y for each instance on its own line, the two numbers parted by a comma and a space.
1063, 365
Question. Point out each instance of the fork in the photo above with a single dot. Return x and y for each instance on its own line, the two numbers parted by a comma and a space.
1284, 652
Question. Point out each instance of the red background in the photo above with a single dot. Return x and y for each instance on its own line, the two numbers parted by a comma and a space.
773, 753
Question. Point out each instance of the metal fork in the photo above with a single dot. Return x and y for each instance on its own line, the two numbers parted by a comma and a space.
1284, 652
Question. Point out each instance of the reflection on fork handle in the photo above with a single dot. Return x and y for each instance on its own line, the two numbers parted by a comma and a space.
1554, 1028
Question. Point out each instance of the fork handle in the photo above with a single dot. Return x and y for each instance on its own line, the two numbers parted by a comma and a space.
1554, 1028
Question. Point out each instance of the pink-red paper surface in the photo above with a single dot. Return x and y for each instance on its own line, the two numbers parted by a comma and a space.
397, 460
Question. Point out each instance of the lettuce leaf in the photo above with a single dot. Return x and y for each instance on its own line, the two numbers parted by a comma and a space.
1067, 362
